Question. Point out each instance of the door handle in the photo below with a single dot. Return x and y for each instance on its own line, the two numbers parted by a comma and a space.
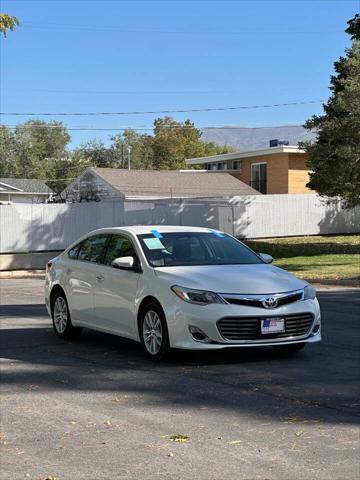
100, 278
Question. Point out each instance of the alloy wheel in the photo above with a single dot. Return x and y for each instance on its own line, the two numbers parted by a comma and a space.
152, 332
60, 315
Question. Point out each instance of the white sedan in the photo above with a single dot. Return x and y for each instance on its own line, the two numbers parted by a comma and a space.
178, 287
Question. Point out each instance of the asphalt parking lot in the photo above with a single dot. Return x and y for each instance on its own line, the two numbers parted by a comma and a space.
98, 409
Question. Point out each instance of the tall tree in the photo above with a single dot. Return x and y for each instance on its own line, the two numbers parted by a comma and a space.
173, 142
96, 153
39, 145
7, 22
8, 153
141, 153
335, 156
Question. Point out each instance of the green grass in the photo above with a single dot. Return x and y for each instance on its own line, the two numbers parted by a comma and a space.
315, 258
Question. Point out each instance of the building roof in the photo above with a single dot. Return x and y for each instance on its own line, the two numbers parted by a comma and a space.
24, 185
240, 155
170, 183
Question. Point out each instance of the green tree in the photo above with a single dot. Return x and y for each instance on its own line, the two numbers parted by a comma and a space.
7, 22
39, 145
8, 153
173, 142
96, 154
334, 159
141, 149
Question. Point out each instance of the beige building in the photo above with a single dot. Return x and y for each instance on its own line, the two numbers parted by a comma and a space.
96, 184
280, 169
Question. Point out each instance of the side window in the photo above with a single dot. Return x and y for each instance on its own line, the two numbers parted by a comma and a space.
73, 252
92, 249
119, 246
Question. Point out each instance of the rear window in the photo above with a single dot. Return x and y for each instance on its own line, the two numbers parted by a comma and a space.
73, 252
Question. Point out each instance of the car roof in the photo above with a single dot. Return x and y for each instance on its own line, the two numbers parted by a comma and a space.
142, 229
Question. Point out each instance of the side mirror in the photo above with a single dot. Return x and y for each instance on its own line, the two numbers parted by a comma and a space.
126, 263
266, 258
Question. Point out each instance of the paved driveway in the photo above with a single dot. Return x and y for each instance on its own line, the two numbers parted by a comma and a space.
97, 409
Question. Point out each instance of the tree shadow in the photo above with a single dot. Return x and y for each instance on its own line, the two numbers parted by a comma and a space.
338, 219
320, 383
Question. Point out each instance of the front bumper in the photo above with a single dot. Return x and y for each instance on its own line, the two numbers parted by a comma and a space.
181, 315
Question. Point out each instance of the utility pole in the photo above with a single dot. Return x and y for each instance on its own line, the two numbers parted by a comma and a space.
129, 157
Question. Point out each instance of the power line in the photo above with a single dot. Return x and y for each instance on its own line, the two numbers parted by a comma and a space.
124, 92
222, 32
146, 129
152, 112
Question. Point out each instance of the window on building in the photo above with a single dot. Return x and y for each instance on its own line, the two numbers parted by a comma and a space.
258, 177
237, 165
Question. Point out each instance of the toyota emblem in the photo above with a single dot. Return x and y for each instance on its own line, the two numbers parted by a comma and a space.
270, 302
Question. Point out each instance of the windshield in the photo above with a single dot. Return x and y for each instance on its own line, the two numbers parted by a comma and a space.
195, 248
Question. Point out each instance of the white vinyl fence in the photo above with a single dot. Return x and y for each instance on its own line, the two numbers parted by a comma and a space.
34, 227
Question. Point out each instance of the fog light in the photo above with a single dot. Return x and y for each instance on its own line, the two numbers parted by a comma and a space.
316, 328
199, 335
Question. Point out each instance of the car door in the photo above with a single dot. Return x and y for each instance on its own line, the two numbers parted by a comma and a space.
116, 289
82, 269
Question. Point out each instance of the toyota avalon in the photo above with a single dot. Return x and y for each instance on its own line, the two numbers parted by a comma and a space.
178, 287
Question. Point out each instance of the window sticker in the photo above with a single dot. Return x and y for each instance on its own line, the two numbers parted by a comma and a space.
218, 234
154, 244
156, 233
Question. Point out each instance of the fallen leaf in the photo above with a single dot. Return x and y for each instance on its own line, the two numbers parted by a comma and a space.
73, 423
179, 438
234, 442
107, 422
299, 433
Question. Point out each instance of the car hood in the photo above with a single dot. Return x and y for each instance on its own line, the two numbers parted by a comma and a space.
248, 279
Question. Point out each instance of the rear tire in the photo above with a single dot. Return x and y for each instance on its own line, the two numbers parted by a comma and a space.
289, 349
61, 318
154, 332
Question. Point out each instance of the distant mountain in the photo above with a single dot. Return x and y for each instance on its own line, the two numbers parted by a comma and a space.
245, 138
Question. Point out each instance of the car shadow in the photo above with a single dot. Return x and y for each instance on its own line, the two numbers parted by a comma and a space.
318, 383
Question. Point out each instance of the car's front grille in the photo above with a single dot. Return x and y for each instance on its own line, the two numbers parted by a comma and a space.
249, 328
256, 302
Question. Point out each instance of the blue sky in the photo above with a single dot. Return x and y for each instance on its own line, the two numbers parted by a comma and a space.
81, 56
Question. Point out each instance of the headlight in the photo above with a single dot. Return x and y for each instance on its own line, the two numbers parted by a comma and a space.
198, 297
309, 293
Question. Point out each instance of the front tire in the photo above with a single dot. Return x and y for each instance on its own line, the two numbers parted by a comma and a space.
289, 349
154, 332
62, 324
